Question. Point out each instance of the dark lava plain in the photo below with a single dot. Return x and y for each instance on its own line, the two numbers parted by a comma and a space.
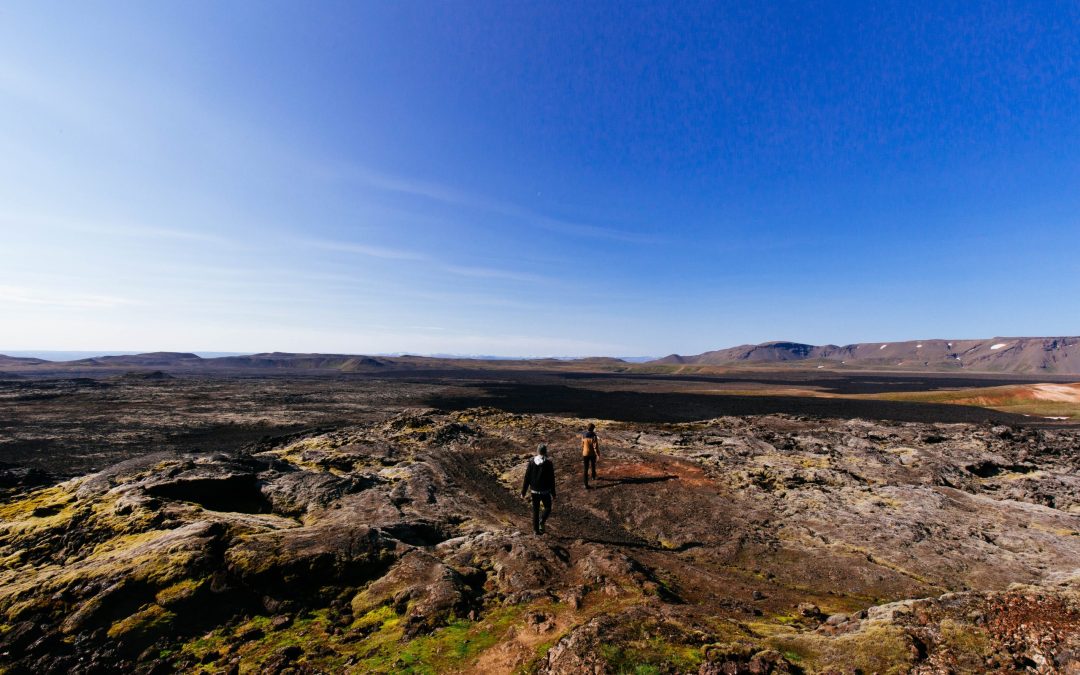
69, 427
663, 407
74, 425
836, 382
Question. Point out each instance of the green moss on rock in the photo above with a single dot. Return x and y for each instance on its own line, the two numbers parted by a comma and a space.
148, 622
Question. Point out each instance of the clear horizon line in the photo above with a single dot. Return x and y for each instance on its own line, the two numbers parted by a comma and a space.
95, 353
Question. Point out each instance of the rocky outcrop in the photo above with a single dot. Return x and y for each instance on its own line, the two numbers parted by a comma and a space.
739, 545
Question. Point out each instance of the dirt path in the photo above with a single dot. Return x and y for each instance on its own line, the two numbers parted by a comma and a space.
577, 514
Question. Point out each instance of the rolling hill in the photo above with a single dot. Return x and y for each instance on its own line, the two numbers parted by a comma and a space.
1020, 355
6, 361
1058, 355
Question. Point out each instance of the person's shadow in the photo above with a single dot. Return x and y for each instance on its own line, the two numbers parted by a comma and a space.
630, 480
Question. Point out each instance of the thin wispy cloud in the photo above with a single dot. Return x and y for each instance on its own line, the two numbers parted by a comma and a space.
21, 295
417, 188
366, 250
154, 233
595, 231
111, 229
22, 86
472, 299
491, 273
453, 197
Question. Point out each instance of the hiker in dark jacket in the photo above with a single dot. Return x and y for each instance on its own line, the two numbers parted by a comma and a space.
590, 450
540, 481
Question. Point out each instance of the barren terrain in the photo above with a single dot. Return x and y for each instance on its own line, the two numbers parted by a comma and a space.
305, 524
69, 424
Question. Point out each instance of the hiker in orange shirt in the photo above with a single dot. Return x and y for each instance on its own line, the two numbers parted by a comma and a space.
590, 450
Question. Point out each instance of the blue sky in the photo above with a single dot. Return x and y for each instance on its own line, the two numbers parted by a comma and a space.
524, 178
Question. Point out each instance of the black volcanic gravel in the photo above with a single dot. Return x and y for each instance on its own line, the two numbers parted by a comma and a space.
629, 406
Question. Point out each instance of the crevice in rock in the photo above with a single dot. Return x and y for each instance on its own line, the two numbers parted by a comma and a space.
989, 469
417, 533
237, 493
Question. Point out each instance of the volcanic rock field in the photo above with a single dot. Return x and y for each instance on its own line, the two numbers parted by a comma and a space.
396, 541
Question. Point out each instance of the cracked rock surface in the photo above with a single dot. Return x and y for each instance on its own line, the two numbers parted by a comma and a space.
770, 544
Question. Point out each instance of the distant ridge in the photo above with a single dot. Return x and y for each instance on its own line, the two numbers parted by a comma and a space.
1020, 355
185, 362
148, 359
55, 355
19, 361
1058, 355
278, 360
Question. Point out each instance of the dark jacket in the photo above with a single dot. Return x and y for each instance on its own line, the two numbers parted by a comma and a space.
539, 477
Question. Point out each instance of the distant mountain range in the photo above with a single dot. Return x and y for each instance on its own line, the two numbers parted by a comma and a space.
55, 355
1059, 355
1030, 355
285, 361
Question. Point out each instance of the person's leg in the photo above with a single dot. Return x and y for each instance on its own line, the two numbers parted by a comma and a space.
585, 470
536, 513
592, 464
546, 500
